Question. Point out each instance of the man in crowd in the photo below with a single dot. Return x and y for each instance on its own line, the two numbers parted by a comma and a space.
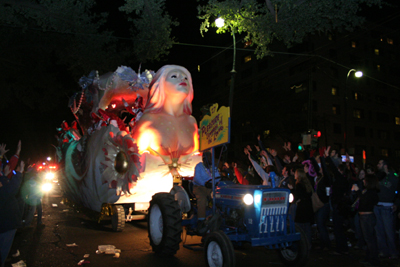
385, 209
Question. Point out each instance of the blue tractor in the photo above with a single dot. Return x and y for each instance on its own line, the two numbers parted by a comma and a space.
257, 215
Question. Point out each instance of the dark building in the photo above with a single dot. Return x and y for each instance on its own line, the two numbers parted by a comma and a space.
312, 86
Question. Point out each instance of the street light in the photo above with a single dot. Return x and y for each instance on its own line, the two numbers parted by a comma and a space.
357, 74
220, 22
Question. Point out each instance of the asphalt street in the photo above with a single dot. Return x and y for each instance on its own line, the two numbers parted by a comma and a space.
68, 235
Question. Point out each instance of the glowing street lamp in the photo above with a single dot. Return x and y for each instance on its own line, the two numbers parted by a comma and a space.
357, 74
220, 22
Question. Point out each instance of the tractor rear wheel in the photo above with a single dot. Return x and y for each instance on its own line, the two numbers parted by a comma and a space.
164, 225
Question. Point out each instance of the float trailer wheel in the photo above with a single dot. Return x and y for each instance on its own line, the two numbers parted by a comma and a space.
118, 218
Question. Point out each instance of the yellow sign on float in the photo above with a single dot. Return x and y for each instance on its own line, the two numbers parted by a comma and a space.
215, 128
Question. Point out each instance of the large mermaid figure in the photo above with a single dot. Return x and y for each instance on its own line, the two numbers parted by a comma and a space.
118, 161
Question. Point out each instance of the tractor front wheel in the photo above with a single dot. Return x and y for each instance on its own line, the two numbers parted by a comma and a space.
219, 250
297, 254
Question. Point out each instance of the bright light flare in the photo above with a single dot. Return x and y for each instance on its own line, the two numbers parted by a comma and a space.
147, 139
358, 74
219, 22
291, 198
46, 187
49, 176
248, 199
196, 141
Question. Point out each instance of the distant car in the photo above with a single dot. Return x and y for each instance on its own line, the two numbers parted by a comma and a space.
48, 172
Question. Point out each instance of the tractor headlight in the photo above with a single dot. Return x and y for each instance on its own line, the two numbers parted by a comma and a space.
291, 198
49, 176
46, 187
248, 199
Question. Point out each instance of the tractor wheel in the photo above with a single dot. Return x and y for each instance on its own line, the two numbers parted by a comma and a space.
164, 225
297, 254
118, 218
219, 250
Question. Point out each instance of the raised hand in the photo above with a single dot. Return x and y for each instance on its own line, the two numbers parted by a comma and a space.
3, 149
6, 170
347, 158
263, 153
285, 146
327, 151
22, 166
18, 147
289, 145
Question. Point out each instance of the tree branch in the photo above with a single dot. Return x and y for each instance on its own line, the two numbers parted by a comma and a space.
37, 7
270, 7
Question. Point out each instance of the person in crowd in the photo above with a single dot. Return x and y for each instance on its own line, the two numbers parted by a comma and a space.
271, 156
357, 227
302, 197
339, 201
334, 155
228, 172
202, 188
3, 151
12, 163
368, 198
261, 172
369, 169
32, 194
385, 209
287, 180
9, 212
322, 188
241, 179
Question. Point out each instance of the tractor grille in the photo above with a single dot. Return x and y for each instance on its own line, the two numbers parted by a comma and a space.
273, 213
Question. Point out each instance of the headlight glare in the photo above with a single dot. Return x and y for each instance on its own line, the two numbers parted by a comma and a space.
248, 199
49, 176
291, 198
46, 187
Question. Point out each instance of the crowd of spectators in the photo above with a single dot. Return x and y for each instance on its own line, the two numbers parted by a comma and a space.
354, 199
19, 198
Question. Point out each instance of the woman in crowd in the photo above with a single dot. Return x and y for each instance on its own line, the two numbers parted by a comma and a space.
302, 197
368, 199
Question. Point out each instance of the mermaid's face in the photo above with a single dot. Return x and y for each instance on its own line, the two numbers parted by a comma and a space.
176, 82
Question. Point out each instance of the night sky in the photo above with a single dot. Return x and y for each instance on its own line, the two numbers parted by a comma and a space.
37, 129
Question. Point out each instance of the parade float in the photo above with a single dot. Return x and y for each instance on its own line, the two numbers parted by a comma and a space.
133, 137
